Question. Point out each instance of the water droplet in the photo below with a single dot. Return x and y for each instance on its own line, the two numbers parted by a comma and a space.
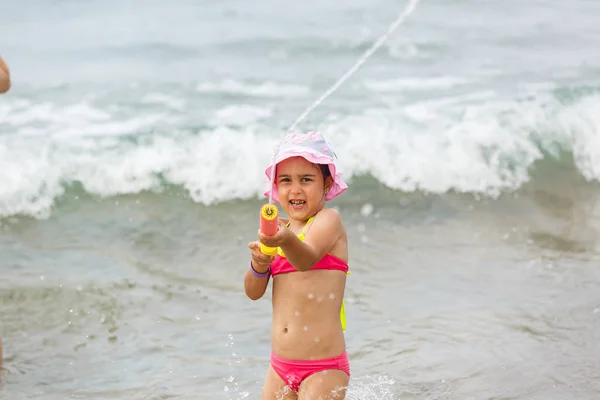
331, 296
42, 278
317, 340
320, 299
297, 313
305, 328
366, 209
310, 295
197, 318
230, 379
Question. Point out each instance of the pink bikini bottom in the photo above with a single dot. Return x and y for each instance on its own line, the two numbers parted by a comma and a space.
293, 372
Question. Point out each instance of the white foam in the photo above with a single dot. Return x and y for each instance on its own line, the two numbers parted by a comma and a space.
265, 89
242, 115
172, 102
481, 148
465, 144
413, 83
581, 124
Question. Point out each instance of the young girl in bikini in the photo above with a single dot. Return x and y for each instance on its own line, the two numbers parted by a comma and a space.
308, 349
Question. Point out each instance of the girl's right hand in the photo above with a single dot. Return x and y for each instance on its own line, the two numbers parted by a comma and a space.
260, 262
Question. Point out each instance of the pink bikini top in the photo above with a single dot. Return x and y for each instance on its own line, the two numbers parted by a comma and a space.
281, 265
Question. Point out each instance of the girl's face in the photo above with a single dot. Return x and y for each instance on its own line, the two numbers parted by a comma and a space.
301, 188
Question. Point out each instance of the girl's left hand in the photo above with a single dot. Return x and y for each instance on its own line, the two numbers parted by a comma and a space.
278, 239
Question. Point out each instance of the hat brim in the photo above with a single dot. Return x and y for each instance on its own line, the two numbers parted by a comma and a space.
338, 186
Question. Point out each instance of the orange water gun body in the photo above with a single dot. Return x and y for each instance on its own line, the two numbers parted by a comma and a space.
269, 226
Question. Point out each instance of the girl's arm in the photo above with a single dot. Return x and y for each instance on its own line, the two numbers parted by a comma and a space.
326, 230
256, 286
4, 77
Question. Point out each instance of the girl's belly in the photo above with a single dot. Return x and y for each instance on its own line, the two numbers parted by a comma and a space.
307, 341
306, 315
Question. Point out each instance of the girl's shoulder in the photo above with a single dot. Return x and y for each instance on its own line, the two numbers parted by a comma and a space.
330, 218
329, 212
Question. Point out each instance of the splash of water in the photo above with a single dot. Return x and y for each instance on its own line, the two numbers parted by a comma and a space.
371, 388
232, 387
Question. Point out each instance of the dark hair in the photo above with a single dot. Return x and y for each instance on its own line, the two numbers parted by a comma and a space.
324, 171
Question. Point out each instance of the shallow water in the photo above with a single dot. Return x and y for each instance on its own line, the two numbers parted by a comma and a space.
464, 299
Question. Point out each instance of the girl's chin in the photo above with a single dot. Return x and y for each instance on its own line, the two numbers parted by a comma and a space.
301, 214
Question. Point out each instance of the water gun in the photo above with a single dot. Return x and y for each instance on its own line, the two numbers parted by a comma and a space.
269, 226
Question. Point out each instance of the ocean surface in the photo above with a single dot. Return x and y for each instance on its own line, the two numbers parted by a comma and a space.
132, 152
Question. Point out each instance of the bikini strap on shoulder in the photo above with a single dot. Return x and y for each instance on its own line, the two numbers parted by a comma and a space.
306, 224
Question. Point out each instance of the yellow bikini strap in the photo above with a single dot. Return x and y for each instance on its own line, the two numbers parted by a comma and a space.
302, 234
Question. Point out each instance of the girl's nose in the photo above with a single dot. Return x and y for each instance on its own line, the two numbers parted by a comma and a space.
296, 188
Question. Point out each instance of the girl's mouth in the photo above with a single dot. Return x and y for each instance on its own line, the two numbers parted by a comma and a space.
297, 204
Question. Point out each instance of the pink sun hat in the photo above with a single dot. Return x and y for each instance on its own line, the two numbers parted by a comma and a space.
313, 147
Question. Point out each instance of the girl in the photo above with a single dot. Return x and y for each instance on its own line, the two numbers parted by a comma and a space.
308, 349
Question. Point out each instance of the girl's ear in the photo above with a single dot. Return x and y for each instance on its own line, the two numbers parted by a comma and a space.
328, 184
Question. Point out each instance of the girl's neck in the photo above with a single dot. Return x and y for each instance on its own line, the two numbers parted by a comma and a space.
300, 223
